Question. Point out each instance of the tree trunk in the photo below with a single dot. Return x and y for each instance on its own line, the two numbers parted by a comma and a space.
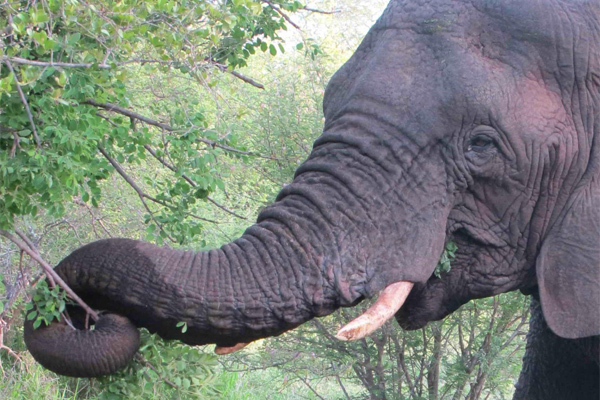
433, 371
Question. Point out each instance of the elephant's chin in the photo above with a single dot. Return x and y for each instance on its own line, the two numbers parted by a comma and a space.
427, 302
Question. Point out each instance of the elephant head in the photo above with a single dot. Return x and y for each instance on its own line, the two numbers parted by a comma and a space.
464, 121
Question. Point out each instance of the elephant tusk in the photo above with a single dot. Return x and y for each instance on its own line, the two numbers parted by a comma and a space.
222, 350
388, 303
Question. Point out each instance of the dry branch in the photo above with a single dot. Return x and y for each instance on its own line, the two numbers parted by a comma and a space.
50, 273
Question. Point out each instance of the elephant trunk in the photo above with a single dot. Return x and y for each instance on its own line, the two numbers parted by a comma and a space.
108, 348
331, 239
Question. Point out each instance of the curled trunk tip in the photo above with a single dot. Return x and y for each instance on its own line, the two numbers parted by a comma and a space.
84, 353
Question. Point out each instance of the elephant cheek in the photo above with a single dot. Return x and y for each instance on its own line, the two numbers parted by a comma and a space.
84, 354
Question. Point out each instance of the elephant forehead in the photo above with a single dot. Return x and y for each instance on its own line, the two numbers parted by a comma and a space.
556, 34
527, 20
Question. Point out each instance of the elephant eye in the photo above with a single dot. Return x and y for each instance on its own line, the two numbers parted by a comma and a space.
480, 143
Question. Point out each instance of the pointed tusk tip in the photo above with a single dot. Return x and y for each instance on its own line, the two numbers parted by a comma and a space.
347, 334
341, 337
221, 351
388, 304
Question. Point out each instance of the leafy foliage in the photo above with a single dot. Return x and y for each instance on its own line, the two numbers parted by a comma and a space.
67, 81
446, 258
47, 305
173, 371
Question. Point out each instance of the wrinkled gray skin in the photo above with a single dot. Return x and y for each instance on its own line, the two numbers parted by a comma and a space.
471, 121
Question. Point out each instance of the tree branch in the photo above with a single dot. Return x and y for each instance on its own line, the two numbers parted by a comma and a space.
189, 180
284, 15
50, 273
16, 144
314, 10
128, 113
103, 65
223, 68
135, 187
166, 127
24, 101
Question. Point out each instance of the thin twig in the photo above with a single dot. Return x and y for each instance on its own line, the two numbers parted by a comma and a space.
8, 349
339, 381
94, 218
103, 65
305, 381
166, 127
260, 367
140, 358
189, 180
24, 101
314, 10
50, 273
223, 68
284, 15
16, 144
222, 207
135, 187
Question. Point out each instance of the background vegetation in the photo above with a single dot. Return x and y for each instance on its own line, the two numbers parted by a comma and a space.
175, 122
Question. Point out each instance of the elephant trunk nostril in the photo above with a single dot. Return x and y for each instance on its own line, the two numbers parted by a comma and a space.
80, 353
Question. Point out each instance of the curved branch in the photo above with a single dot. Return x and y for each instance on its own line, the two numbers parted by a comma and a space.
52, 275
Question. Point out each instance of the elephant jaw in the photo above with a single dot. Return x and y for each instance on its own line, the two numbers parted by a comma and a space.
387, 305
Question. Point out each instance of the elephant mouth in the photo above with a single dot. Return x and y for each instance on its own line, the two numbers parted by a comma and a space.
414, 304
439, 296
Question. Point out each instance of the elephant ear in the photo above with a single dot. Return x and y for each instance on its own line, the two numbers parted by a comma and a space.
568, 267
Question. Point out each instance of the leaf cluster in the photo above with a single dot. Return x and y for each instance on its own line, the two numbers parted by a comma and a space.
47, 304
444, 264
63, 65
165, 370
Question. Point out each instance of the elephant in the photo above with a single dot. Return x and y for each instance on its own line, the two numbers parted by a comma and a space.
472, 121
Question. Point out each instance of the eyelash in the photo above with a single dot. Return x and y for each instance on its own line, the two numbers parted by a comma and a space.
484, 143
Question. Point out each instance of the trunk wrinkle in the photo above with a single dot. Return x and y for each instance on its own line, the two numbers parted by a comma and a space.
267, 263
